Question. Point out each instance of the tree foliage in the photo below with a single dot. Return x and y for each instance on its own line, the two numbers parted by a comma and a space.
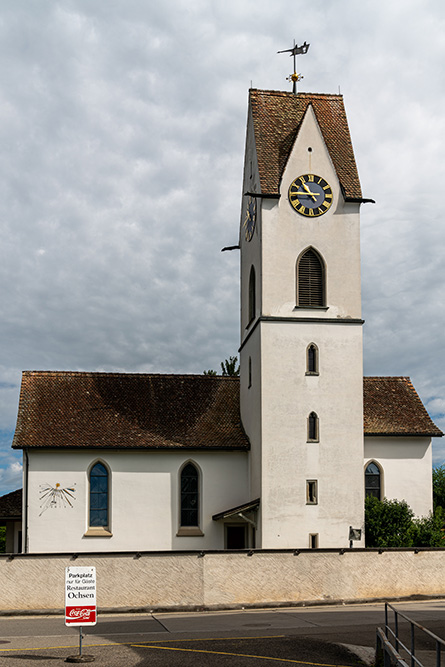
2, 539
428, 531
391, 523
388, 523
439, 486
229, 367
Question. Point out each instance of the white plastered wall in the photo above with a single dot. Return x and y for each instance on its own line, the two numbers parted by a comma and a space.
275, 408
287, 394
406, 466
288, 459
250, 392
250, 250
144, 495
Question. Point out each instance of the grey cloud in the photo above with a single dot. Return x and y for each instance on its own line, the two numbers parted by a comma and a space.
122, 131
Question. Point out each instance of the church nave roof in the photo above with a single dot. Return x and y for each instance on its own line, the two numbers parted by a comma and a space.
62, 409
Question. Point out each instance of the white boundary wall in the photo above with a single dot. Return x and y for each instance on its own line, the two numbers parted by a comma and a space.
220, 579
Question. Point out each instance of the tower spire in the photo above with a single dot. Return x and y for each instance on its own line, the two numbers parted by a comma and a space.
294, 51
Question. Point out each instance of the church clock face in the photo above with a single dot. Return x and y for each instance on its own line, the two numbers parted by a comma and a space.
250, 219
310, 195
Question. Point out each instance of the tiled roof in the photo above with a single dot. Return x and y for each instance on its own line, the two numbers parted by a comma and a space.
125, 410
393, 407
277, 117
11, 505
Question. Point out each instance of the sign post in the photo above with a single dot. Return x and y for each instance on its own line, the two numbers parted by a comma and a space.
80, 603
355, 534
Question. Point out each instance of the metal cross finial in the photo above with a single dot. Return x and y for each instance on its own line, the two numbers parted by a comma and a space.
295, 51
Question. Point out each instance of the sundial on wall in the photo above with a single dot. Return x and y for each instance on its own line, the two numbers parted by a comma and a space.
54, 497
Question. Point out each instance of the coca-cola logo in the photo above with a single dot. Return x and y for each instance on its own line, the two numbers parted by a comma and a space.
80, 613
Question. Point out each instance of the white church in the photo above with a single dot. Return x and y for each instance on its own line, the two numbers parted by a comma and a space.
281, 457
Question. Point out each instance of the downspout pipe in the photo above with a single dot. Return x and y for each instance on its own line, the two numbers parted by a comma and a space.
25, 500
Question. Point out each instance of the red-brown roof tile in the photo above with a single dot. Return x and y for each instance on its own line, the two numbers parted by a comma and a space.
11, 506
125, 410
277, 118
393, 407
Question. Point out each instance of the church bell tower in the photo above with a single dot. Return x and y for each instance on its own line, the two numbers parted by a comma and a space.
301, 327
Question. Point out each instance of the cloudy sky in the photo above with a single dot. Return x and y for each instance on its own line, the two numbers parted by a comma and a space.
122, 134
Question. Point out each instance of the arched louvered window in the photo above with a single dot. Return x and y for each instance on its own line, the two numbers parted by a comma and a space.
312, 427
189, 495
373, 483
252, 295
99, 496
310, 280
312, 359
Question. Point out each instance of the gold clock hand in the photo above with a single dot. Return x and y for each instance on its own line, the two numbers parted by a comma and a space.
313, 194
309, 193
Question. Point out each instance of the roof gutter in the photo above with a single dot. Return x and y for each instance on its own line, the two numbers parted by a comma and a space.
418, 434
263, 195
359, 200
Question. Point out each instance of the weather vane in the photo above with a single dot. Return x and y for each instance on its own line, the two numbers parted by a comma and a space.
296, 51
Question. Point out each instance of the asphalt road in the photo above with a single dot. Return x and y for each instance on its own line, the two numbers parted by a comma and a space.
285, 636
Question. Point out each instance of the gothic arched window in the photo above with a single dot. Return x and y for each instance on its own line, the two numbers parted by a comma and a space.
189, 495
373, 482
312, 359
99, 488
312, 427
310, 280
252, 295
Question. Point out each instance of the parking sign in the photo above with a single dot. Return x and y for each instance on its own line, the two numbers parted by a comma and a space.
80, 596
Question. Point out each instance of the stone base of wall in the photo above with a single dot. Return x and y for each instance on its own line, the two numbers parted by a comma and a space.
164, 581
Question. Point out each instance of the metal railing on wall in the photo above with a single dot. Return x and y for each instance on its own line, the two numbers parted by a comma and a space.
391, 649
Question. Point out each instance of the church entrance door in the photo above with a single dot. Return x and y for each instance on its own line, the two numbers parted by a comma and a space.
236, 536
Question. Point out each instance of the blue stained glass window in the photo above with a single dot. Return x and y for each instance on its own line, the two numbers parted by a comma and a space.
99, 495
373, 481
